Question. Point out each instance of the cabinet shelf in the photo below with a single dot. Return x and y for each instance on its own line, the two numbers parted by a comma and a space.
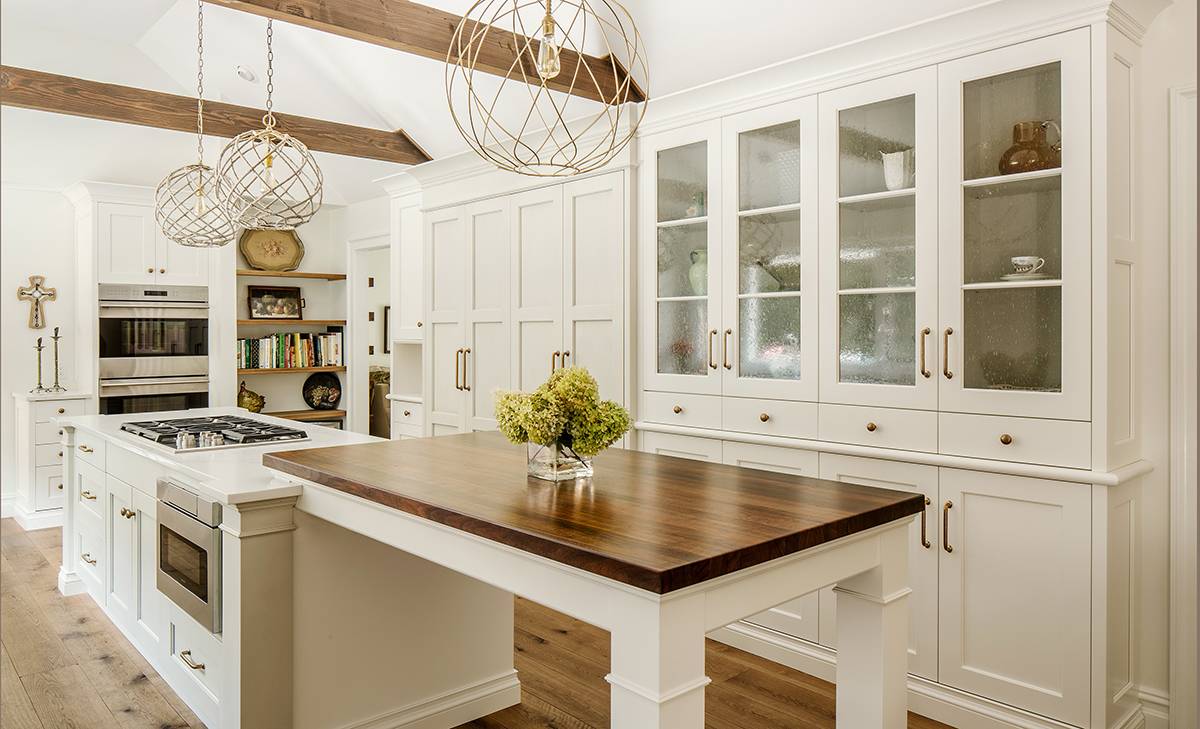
790, 207
1015, 177
872, 196
308, 414
288, 370
293, 274
1034, 283
292, 322
683, 221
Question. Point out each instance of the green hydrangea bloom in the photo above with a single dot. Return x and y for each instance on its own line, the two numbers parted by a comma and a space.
566, 409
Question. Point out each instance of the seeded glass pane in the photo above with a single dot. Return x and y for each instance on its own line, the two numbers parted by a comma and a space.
682, 260
867, 133
878, 340
769, 252
682, 337
993, 106
878, 243
682, 182
1010, 220
769, 344
769, 166
1013, 339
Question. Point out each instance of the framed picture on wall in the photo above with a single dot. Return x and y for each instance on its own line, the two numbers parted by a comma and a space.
387, 338
275, 302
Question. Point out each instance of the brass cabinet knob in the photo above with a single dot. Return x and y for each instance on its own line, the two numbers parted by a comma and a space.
87, 557
60, 487
60, 432
60, 412
127, 513
764, 417
85, 449
162, 270
1006, 439
60, 454
406, 413
677, 409
149, 270
419, 324
88, 495
871, 427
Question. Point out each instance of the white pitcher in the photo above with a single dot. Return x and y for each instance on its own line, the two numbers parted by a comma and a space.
898, 169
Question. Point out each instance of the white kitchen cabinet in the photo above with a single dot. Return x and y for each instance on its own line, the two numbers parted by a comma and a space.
39, 455
682, 446
132, 250
122, 538
147, 606
537, 285
444, 321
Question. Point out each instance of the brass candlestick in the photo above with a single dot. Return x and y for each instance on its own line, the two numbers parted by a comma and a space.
39, 349
57, 387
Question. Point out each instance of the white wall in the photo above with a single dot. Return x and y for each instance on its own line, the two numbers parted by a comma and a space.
37, 237
1168, 59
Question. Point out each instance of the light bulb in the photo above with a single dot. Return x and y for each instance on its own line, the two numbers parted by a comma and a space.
268, 177
201, 205
548, 64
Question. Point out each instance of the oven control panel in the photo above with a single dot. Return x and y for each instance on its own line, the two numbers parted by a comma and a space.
131, 292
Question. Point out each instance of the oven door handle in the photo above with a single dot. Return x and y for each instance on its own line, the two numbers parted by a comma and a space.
153, 386
182, 310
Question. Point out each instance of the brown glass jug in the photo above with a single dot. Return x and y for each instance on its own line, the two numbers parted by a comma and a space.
1030, 150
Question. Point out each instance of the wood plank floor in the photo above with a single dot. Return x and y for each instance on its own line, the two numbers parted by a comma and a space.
64, 664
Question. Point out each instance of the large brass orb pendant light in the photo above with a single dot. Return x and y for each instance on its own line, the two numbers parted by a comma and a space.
269, 180
563, 106
186, 203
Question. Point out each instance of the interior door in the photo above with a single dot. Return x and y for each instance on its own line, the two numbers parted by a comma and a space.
537, 285
444, 346
878, 242
769, 256
923, 548
595, 274
1015, 591
486, 359
127, 239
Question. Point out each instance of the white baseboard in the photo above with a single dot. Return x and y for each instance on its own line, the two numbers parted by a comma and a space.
34, 520
7, 502
1135, 719
70, 584
452, 709
1156, 705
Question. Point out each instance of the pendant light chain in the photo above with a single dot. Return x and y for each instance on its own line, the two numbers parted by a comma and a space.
269, 118
200, 80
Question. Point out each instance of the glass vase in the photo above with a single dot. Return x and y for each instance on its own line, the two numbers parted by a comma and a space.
557, 462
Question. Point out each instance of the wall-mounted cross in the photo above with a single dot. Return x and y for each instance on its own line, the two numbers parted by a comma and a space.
36, 295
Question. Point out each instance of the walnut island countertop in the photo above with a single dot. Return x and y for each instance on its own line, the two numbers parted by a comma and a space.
654, 522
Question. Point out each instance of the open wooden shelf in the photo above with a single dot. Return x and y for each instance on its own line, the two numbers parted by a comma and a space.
309, 414
286, 370
292, 274
292, 322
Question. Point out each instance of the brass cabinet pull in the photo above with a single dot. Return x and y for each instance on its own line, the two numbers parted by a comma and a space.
566, 353
86, 557
419, 325
149, 270
60, 454
88, 495
554, 361
60, 412
465, 353
925, 542
85, 449
946, 526
186, 657
946, 354
457, 370
924, 372
725, 349
1006, 439
406, 413
162, 270
60, 487
60, 432
711, 334
764, 417
871, 427
126, 513
677, 409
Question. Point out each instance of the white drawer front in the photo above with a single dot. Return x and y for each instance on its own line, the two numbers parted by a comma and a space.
402, 432
89, 553
46, 433
682, 446
1023, 440
910, 430
90, 497
407, 413
190, 647
697, 411
138, 471
771, 458
48, 454
43, 411
48, 488
89, 449
770, 417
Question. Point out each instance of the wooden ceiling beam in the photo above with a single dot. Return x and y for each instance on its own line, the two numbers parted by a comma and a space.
424, 31
42, 91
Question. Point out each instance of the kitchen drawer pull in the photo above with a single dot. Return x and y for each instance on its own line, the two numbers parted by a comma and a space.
725, 349
566, 353
946, 353
186, 657
924, 372
946, 527
925, 542
162, 270
711, 334
871, 427
60, 432
465, 353
406, 413
87, 557
126, 513
85, 449
60, 487
88, 495
1006, 439
419, 324
60, 454
764, 417
554, 361
677, 409
61, 411
149, 270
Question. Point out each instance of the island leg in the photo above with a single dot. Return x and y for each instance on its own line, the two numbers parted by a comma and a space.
657, 662
872, 640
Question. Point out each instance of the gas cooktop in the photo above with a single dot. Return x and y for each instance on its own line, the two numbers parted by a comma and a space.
207, 433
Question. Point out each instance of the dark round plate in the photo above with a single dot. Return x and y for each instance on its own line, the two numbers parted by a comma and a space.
322, 391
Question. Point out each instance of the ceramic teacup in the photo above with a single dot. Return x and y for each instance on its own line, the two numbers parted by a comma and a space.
1027, 264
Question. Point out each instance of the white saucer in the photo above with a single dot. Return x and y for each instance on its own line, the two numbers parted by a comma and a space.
1025, 277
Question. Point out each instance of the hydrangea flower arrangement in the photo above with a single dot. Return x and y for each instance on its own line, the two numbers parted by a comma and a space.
566, 411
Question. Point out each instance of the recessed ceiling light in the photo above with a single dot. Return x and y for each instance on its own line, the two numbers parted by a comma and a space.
246, 74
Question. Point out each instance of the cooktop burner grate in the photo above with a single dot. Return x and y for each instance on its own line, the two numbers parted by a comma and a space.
235, 430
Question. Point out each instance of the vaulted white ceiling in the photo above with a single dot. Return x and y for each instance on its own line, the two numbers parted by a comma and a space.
151, 44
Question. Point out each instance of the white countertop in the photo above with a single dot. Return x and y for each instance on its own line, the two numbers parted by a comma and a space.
38, 396
230, 475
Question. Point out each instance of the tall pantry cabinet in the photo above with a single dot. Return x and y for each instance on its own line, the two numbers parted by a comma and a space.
926, 280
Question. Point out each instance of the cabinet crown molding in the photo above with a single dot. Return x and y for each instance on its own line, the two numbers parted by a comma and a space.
85, 191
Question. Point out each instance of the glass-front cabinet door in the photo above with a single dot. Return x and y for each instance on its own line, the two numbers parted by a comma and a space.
1015, 323
878, 242
680, 279
769, 267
